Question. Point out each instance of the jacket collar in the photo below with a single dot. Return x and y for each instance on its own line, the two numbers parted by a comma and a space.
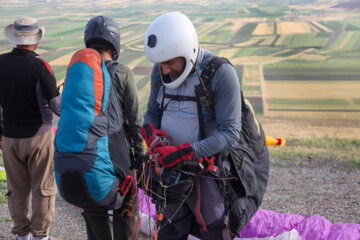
20, 51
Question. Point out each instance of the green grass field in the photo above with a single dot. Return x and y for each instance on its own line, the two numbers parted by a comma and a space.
297, 37
345, 150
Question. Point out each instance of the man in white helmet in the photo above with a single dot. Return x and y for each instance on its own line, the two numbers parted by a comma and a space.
171, 43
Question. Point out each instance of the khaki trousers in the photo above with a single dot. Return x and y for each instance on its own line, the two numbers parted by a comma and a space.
29, 167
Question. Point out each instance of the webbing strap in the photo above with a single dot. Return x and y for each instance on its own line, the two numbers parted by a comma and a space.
206, 77
162, 107
201, 121
211, 68
171, 97
112, 66
198, 209
180, 98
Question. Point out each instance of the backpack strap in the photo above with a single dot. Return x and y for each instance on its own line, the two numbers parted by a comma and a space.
162, 106
211, 68
171, 97
112, 66
204, 96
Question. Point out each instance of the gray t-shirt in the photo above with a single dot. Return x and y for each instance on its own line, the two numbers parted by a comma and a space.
180, 118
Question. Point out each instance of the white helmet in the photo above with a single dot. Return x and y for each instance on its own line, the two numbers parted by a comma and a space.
172, 35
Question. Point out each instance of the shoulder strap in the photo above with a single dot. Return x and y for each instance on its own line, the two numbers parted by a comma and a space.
171, 97
162, 102
112, 66
210, 69
206, 77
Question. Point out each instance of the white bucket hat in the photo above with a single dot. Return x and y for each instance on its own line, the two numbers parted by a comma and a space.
24, 31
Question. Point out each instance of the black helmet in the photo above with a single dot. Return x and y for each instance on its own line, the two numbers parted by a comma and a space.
103, 30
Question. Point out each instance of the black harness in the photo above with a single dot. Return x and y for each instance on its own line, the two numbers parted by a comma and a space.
249, 160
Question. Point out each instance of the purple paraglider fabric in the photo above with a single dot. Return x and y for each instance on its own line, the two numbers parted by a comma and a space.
270, 225
266, 223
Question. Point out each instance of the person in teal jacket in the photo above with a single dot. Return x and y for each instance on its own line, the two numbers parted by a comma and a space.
103, 34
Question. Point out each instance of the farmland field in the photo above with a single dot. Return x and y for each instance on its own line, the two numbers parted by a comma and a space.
295, 59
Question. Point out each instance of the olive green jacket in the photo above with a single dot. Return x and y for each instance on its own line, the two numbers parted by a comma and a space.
133, 117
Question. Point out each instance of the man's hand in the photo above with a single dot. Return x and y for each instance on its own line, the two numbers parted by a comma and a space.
169, 156
154, 137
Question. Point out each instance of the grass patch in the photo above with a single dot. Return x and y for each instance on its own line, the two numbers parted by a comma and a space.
286, 54
239, 71
3, 190
313, 103
344, 151
333, 25
351, 164
246, 51
291, 153
334, 63
304, 40
245, 32
58, 197
251, 88
330, 144
258, 109
278, 164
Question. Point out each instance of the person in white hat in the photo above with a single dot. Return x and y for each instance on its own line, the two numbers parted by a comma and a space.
24, 31
28, 98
